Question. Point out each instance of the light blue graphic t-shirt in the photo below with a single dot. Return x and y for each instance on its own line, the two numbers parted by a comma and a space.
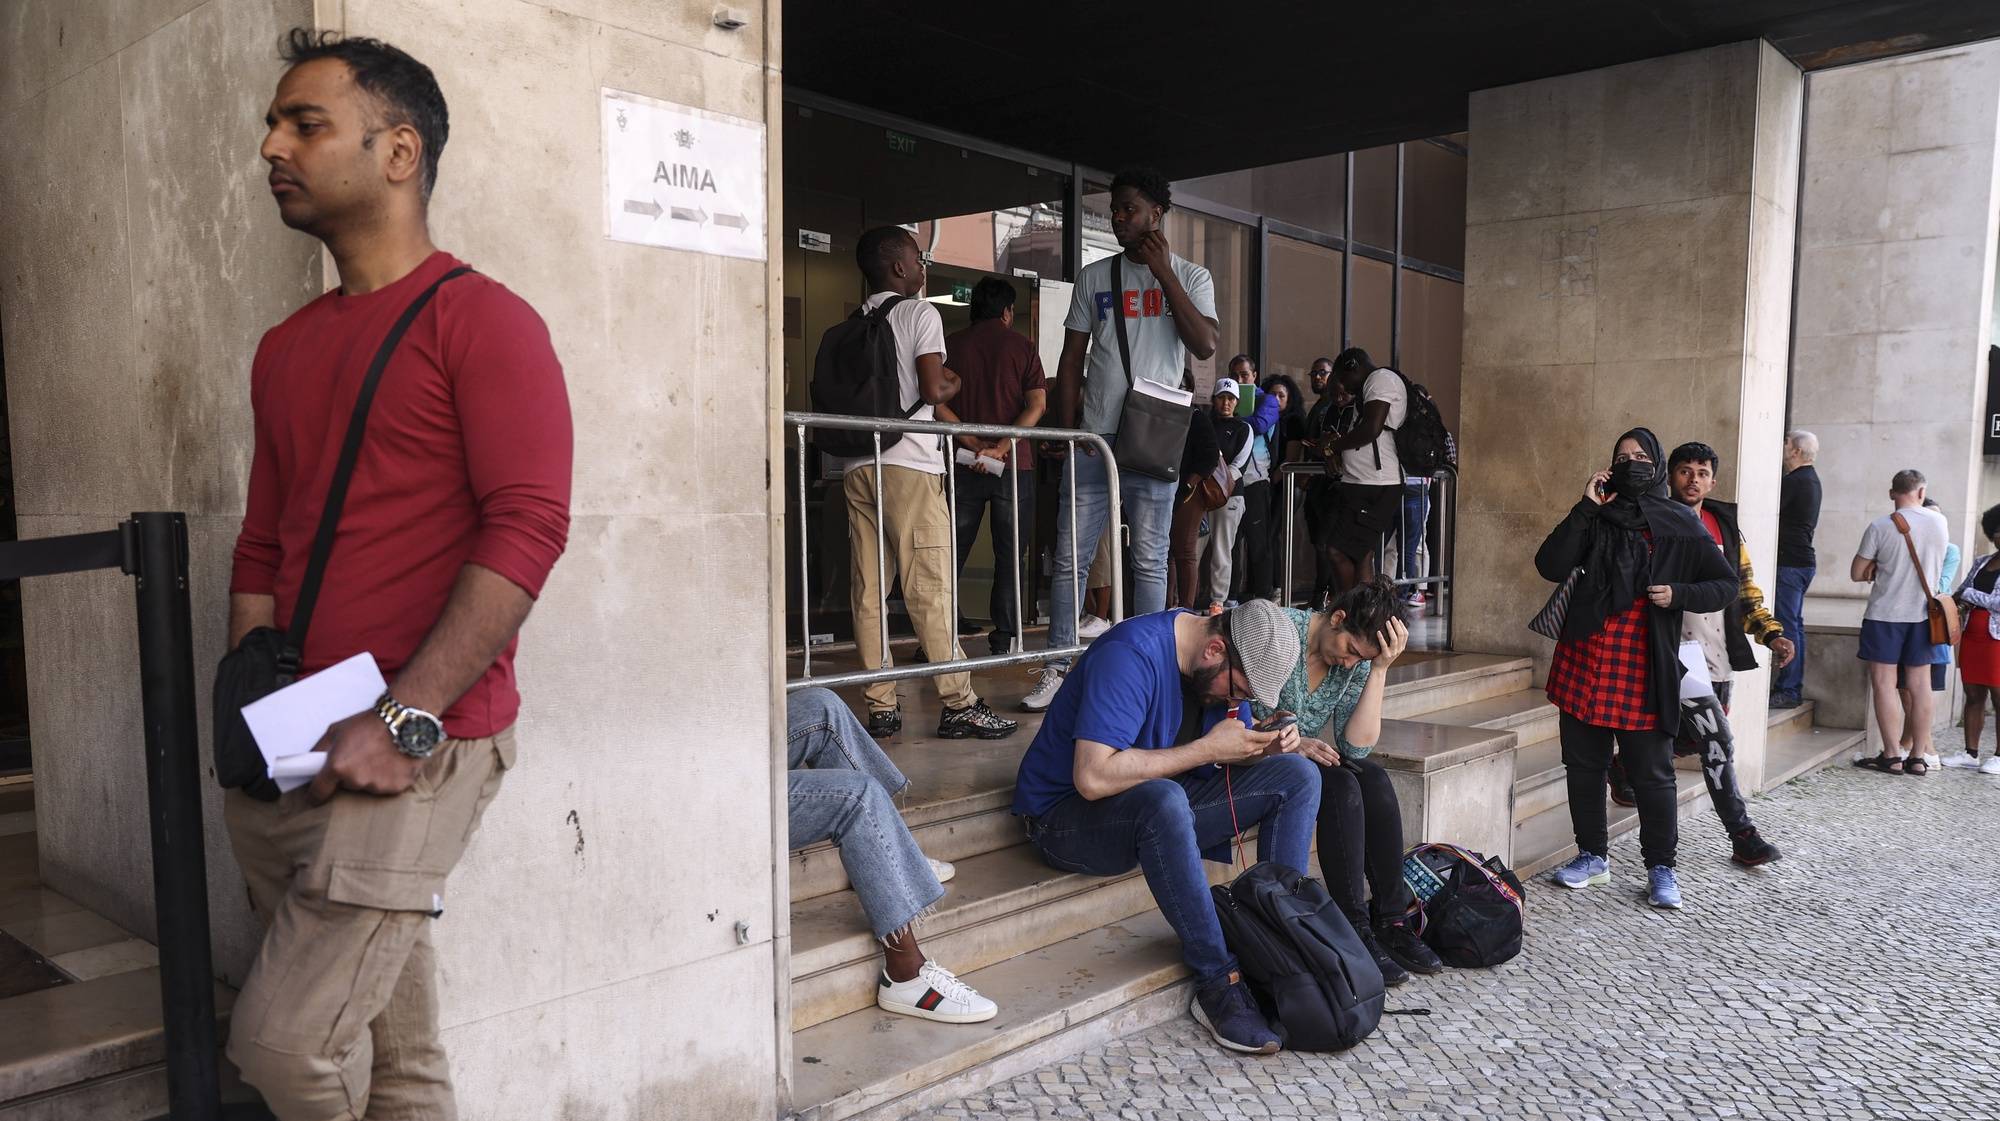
1157, 352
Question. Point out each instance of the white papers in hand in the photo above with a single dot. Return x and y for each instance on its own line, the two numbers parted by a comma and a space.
1169, 393
289, 723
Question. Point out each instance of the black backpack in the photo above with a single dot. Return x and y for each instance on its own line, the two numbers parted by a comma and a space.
1423, 443
854, 374
1315, 981
1471, 905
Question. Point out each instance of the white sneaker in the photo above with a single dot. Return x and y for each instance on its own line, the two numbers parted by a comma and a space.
944, 870
1991, 766
1930, 759
1090, 626
1044, 692
1962, 761
934, 994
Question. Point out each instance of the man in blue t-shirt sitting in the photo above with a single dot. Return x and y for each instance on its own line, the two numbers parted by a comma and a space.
1163, 684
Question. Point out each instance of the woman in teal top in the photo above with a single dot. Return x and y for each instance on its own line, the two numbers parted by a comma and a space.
1336, 692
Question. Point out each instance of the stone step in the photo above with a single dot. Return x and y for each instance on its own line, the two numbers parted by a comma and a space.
1783, 721
1055, 1002
1791, 754
1546, 839
1002, 904
1526, 712
85, 1033
1451, 680
1539, 780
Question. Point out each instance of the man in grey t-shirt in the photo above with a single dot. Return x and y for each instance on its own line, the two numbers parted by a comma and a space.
1167, 305
1895, 627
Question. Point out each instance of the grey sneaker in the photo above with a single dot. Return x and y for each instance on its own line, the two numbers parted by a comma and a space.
1044, 692
1586, 869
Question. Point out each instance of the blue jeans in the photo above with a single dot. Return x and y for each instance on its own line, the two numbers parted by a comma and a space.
1162, 825
1790, 608
1149, 506
839, 786
1416, 514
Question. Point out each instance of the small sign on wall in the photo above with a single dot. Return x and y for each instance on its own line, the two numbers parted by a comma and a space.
682, 178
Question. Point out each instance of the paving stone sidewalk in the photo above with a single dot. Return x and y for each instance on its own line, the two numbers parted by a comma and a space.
1854, 979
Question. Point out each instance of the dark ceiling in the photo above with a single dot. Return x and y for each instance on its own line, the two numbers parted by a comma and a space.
1215, 85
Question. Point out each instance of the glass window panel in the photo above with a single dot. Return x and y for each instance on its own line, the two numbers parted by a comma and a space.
1224, 248
1369, 310
1307, 193
1375, 197
1434, 205
1303, 306
1433, 326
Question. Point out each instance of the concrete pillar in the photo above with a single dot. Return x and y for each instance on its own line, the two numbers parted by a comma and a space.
1896, 258
591, 960
1628, 261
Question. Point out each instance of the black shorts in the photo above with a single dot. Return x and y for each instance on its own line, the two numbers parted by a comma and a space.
1360, 516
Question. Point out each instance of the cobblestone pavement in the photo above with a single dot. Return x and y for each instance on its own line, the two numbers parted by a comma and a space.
1855, 978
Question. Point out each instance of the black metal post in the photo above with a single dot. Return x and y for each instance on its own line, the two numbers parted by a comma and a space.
158, 558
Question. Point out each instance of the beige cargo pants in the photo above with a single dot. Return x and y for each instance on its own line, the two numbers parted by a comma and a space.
338, 1020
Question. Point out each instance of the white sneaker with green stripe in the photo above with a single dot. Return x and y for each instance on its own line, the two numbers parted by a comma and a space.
934, 994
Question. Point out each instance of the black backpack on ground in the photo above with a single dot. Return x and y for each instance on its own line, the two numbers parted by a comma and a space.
1315, 981
1423, 443
1471, 905
854, 374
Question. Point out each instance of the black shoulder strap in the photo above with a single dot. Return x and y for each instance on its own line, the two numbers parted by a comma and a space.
293, 653
1118, 313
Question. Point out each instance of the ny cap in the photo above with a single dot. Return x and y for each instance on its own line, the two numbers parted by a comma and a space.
1227, 385
1267, 647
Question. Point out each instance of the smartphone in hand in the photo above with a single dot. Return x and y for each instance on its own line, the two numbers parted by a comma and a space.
1277, 723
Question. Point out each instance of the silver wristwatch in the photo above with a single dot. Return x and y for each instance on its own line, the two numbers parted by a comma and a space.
415, 732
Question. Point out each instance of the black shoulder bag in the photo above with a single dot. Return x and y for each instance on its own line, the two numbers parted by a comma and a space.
1152, 433
267, 660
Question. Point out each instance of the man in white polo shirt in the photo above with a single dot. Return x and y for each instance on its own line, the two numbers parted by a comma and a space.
916, 521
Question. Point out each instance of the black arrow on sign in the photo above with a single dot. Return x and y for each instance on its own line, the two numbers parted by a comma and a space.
649, 208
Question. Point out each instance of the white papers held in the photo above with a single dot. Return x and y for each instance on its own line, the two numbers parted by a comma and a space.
1695, 682
288, 723
1172, 394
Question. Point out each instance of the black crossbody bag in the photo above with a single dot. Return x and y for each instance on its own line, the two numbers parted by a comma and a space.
267, 660
1152, 433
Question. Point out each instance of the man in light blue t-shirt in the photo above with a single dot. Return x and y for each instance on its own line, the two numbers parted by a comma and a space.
1167, 304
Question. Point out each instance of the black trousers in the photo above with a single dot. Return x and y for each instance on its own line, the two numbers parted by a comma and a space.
1718, 769
1254, 578
977, 492
1648, 758
1361, 842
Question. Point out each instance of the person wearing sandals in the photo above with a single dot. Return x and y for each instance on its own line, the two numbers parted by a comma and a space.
1336, 692
1639, 560
1943, 580
1979, 650
1895, 627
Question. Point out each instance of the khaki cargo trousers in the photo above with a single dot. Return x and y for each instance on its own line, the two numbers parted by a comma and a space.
338, 1020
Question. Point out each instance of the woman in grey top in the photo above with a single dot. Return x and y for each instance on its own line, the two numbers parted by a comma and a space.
1336, 691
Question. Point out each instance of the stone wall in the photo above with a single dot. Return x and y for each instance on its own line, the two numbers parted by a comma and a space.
1896, 259
1628, 262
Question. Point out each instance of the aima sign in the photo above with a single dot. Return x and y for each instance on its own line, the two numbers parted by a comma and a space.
682, 178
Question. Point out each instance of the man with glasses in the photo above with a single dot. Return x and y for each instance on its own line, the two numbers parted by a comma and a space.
1139, 761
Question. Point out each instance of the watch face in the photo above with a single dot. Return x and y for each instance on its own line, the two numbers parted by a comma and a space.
418, 736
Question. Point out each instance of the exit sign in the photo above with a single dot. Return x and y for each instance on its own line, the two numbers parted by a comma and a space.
961, 293
901, 143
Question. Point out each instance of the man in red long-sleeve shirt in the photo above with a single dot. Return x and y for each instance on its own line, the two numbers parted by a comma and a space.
457, 510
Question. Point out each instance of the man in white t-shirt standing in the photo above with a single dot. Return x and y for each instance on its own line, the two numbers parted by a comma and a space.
916, 520
1167, 304
1369, 496
1895, 627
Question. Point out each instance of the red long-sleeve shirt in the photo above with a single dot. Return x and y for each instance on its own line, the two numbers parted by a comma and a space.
466, 461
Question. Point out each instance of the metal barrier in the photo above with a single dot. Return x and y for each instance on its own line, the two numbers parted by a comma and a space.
1444, 495
800, 422
153, 548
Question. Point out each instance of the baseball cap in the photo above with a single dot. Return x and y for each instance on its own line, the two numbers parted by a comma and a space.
1267, 646
1227, 385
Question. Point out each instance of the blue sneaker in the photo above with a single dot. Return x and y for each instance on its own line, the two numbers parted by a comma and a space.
1663, 890
1231, 1016
1584, 870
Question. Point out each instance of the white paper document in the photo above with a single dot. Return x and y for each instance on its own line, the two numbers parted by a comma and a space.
289, 723
1695, 682
1170, 393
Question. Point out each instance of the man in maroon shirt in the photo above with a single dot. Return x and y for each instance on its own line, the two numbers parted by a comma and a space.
457, 510
1000, 381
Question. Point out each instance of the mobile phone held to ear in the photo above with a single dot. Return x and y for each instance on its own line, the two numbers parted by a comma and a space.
1277, 723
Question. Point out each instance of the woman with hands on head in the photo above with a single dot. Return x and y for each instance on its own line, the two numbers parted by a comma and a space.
1640, 559
1336, 692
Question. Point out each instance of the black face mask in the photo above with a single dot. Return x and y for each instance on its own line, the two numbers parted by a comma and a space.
1633, 478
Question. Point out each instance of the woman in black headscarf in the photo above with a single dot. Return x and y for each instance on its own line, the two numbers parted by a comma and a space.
1640, 560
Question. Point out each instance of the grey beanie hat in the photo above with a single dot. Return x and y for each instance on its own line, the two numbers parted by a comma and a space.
1267, 646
